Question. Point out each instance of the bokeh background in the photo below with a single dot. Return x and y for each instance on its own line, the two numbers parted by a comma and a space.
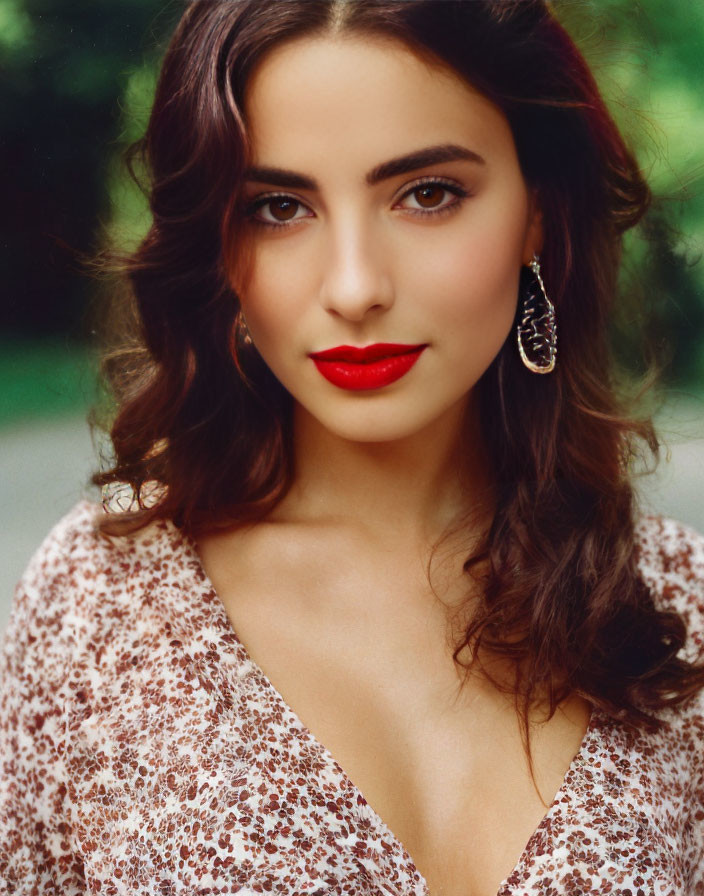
76, 79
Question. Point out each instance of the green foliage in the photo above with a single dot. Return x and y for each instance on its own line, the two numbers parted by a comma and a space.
64, 67
45, 378
15, 30
130, 218
647, 57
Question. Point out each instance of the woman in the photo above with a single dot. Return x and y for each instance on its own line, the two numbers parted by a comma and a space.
380, 616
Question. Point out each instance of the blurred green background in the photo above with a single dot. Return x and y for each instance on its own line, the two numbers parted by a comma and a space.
77, 78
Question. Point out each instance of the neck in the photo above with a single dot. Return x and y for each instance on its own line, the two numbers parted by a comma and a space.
409, 489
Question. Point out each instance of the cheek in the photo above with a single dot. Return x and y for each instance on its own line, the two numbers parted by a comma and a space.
274, 296
475, 288
474, 271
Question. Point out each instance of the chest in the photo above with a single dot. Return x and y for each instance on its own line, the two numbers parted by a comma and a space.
443, 766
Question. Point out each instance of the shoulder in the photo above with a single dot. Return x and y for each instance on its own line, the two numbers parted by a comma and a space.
67, 554
81, 587
671, 563
670, 549
37, 640
77, 558
76, 551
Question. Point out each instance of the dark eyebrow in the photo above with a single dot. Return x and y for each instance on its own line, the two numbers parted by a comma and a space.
432, 155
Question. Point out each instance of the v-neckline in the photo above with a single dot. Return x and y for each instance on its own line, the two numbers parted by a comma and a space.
580, 760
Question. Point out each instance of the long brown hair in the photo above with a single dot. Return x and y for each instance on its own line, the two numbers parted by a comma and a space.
207, 422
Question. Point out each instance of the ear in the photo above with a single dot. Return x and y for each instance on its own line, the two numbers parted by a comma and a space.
238, 261
533, 244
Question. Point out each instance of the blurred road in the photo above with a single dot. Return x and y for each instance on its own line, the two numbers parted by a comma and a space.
44, 470
45, 467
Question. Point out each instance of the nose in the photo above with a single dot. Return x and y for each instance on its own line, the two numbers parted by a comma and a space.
355, 280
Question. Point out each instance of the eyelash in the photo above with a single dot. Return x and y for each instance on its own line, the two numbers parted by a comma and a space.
459, 192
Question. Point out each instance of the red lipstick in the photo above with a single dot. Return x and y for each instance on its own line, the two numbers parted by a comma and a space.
368, 367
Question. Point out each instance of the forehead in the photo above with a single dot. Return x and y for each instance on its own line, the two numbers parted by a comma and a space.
345, 98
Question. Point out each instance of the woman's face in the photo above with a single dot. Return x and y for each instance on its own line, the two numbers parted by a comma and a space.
385, 205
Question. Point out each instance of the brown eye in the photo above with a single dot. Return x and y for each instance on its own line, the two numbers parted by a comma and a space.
433, 197
430, 195
276, 211
282, 209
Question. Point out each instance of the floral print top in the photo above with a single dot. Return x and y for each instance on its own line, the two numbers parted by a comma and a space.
143, 752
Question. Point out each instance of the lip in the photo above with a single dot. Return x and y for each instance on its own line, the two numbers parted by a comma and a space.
368, 367
365, 354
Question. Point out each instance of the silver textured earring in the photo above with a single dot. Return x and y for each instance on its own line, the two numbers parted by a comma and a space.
537, 330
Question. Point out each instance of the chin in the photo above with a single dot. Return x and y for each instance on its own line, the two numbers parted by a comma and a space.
367, 425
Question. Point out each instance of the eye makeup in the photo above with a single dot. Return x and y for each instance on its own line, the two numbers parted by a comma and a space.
430, 181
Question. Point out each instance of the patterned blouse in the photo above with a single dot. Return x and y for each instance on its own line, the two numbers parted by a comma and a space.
143, 752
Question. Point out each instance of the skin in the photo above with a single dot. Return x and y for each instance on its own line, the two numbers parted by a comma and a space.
330, 590
359, 264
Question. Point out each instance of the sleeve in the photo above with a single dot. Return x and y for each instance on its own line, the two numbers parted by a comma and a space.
695, 856
36, 853
672, 564
693, 852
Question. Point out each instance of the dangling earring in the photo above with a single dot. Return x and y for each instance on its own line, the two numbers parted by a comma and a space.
537, 330
241, 330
